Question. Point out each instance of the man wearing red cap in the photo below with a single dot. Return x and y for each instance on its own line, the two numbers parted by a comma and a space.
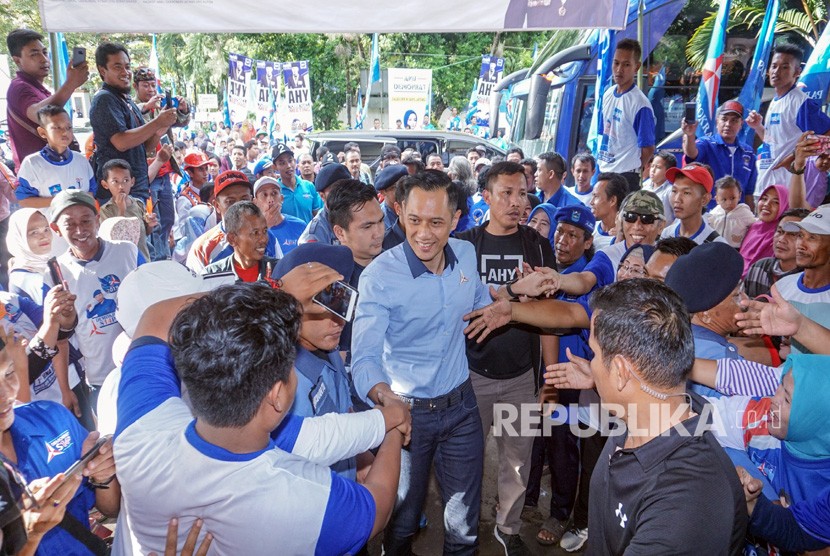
230, 187
722, 151
196, 166
690, 193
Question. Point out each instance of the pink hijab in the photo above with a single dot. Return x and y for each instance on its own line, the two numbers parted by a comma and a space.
758, 241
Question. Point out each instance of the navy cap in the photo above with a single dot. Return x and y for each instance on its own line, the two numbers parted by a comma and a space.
338, 257
577, 215
279, 150
706, 276
389, 176
390, 151
329, 174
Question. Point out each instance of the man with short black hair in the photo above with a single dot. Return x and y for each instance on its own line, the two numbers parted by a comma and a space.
628, 140
385, 183
300, 199
530, 165
503, 366
118, 124
583, 167
319, 229
652, 475
514, 154
434, 162
550, 177
26, 94
606, 200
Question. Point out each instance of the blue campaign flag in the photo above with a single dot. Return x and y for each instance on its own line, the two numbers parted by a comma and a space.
815, 79
605, 58
753, 88
272, 114
374, 68
63, 63
226, 113
707, 97
361, 115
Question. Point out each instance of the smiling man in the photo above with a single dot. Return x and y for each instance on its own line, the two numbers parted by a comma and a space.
118, 124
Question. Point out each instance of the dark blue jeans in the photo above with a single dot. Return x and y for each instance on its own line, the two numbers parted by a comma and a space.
161, 191
452, 439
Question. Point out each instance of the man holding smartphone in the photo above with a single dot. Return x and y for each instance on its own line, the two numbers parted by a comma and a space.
722, 151
27, 95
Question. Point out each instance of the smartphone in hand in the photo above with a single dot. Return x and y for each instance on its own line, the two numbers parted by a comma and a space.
78, 56
338, 298
55, 271
690, 113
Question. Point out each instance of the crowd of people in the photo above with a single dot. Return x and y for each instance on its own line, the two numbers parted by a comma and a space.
252, 348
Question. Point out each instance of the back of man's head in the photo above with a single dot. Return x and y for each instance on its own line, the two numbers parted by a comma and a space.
231, 347
647, 323
344, 198
17, 39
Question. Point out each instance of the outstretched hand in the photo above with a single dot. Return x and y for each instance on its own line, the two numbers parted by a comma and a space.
776, 318
575, 375
488, 319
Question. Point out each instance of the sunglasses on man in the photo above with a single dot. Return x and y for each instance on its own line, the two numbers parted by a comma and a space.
645, 219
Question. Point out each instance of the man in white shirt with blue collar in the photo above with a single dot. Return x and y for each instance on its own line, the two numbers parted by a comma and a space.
690, 193
627, 140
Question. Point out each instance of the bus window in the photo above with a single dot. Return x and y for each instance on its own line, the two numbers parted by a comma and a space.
551, 116
587, 111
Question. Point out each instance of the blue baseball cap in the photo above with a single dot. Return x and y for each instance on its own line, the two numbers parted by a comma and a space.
577, 215
263, 164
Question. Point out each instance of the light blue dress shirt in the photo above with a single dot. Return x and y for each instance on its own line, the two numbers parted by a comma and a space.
408, 330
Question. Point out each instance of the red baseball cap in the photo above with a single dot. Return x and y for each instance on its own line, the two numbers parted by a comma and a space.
229, 178
695, 172
732, 106
195, 160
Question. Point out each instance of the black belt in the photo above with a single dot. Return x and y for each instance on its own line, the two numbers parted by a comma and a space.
451, 398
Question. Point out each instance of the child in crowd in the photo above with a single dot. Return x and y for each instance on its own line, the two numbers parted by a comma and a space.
117, 178
55, 167
658, 183
731, 218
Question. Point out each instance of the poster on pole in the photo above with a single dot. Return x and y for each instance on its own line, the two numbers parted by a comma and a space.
297, 98
267, 79
239, 75
492, 69
410, 96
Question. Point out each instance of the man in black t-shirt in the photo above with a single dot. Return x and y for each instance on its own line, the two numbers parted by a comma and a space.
503, 366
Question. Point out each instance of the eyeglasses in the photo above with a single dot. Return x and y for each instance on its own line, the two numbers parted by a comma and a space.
645, 219
633, 269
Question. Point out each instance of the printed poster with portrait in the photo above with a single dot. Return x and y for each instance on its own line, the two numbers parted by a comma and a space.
297, 115
410, 96
492, 69
267, 80
239, 75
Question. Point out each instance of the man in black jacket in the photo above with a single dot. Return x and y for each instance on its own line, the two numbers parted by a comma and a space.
503, 366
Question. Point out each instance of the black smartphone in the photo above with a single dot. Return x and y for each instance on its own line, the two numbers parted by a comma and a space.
164, 140
690, 114
338, 298
168, 99
78, 56
79, 465
55, 271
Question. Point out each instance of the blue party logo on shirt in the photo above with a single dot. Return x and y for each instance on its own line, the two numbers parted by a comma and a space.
775, 118
58, 445
54, 189
110, 283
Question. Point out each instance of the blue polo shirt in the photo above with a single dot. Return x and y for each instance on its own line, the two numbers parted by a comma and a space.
302, 201
561, 198
48, 439
736, 160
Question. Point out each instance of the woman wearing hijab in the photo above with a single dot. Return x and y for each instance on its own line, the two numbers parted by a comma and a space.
29, 241
757, 243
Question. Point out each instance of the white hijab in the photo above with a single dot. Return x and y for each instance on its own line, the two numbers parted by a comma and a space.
18, 244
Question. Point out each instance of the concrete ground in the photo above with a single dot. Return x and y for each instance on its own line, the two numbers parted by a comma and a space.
429, 541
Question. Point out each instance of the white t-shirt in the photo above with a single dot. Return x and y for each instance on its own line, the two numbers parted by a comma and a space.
813, 303
628, 125
96, 283
699, 237
584, 198
601, 238
41, 177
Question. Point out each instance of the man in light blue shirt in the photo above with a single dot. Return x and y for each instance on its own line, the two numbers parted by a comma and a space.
300, 198
408, 341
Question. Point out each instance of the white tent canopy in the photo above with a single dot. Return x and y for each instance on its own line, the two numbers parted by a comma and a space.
326, 16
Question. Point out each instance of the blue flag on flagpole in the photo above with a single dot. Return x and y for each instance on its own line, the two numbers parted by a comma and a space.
361, 115
272, 113
153, 64
815, 79
374, 74
605, 58
226, 113
707, 97
63, 63
750, 97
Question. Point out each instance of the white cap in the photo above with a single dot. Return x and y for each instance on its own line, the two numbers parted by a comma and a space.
149, 284
263, 181
817, 222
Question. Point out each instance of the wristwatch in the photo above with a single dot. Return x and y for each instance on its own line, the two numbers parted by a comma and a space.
792, 169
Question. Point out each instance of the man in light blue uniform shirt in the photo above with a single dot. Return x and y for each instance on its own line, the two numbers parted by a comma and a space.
408, 342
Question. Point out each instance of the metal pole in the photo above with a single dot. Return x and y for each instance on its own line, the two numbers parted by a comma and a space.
53, 52
640, 12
